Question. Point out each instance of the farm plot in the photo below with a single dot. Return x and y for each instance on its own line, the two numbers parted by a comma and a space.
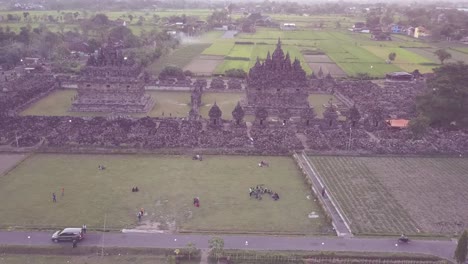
220, 48
396, 194
405, 59
317, 62
366, 202
180, 57
429, 53
431, 190
204, 65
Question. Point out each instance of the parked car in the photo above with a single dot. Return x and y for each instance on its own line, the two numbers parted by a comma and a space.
68, 234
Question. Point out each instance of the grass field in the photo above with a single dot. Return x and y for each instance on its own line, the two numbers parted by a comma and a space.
219, 48
226, 102
167, 186
91, 259
176, 104
318, 100
180, 57
398, 195
405, 59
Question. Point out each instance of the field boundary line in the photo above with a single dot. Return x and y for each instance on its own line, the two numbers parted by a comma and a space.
338, 209
14, 166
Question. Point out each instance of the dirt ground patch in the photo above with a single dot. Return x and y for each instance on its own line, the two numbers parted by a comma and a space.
204, 64
317, 58
7, 161
316, 62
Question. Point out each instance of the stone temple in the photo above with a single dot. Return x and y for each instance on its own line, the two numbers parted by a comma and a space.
277, 85
111, 83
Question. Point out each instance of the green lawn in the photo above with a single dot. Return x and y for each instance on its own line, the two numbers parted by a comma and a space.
318, 100
180, 57
221, 48
168, 103
241, 51
92, 259
167, 186
405, 59
226, 102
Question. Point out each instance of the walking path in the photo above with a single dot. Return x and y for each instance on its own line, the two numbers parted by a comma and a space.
338, 219
443, 249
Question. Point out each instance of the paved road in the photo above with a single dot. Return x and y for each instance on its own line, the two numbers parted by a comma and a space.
443, 249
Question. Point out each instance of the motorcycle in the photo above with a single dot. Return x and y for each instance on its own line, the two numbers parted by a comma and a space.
403, 240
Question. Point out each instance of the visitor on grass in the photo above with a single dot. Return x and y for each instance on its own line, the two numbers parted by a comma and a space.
196, 202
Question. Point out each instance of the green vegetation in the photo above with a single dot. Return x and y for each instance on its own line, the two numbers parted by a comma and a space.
167, 186
180, 57
462, 248
391, 195
219, 48
87, 259
226, 102
445, 100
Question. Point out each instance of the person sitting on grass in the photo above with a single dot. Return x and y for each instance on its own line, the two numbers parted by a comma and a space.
275, 196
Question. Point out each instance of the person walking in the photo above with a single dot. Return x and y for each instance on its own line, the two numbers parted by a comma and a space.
323, 192
63, 191
139, 216
83, 229
54, 198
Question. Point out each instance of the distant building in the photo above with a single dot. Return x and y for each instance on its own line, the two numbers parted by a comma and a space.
288, 26
421, 32
358, 26
399, 76
397, 29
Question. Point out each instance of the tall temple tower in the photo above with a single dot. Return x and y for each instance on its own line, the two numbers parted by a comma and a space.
277, 85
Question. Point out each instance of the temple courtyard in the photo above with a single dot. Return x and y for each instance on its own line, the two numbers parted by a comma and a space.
167, 103
167, 186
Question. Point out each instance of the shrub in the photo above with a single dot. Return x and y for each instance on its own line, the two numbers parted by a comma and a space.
236, 73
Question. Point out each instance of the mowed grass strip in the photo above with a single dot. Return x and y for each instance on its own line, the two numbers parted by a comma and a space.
366, 202
167, 186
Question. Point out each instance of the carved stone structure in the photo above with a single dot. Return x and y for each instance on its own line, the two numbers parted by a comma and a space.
111, 83
215, 114
277, 85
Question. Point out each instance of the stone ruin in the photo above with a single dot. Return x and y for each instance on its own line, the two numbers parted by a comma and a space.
277, 86
111, 83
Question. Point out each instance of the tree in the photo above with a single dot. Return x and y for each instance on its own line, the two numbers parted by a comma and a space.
418, 126
392, 56
442, 55
217, 246
130, 17
462, 248
445, 101
191, 248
